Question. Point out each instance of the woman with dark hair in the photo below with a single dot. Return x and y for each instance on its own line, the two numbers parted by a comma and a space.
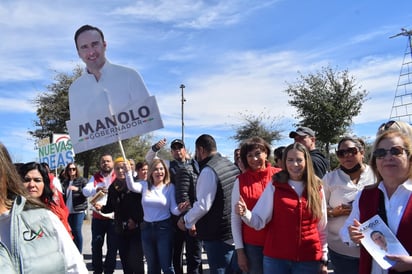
76, 202
293, 208
32, 239
341, 187
254, 154
37, 182
142, 168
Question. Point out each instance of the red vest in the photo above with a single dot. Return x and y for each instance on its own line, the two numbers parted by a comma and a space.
251, 186
368, 207
293, 233
98, 178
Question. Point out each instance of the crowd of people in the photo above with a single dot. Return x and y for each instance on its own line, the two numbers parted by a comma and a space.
290, 216
248, 216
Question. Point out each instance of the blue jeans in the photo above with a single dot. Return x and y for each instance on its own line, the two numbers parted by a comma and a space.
157, 242
254, 254
99, 229
343, 264
76, 223
280, 266
219, 256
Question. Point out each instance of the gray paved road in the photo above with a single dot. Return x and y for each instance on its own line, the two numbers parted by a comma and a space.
87, 248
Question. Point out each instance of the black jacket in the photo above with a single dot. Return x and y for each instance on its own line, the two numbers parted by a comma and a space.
78, 199
320, 163
215, 225
185, 182
124, 203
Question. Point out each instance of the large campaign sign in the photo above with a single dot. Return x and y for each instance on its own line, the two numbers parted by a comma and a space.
102, 128
58, 153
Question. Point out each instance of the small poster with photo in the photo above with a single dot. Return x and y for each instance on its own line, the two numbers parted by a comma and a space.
101, 198
98, 198
379, 241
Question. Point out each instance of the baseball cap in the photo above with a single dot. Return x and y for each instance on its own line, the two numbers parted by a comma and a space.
302, 131
177, 142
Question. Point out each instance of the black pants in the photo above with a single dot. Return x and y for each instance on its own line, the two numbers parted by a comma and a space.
131, 252
193, 252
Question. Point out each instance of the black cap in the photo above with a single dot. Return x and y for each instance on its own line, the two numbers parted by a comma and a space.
177, 142
302, 131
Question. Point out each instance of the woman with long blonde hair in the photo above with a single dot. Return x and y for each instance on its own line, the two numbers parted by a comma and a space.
158, 202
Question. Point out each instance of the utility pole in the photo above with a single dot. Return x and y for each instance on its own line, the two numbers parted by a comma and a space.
183, 122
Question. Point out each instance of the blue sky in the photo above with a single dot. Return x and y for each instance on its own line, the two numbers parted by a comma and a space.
232, 56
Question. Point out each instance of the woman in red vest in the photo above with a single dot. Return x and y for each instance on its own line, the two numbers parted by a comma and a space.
294, 209
249, 185
390, 198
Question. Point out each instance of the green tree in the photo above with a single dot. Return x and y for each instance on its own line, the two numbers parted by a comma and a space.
53, 112
262, 125
327, 101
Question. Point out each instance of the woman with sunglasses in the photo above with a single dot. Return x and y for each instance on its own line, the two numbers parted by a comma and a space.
390, 198
341, 187
76, 202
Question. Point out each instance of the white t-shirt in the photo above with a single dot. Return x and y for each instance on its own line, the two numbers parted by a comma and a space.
157, 202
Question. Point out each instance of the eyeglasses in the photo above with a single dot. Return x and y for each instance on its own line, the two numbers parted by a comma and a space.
72, 168
36, 180
380, 153
347, 152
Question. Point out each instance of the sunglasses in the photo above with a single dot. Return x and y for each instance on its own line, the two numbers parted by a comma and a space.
388, 125
394, 151
347, 152
71, 168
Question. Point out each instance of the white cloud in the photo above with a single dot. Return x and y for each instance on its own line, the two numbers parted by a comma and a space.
15, 105
174, 42
192, 14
